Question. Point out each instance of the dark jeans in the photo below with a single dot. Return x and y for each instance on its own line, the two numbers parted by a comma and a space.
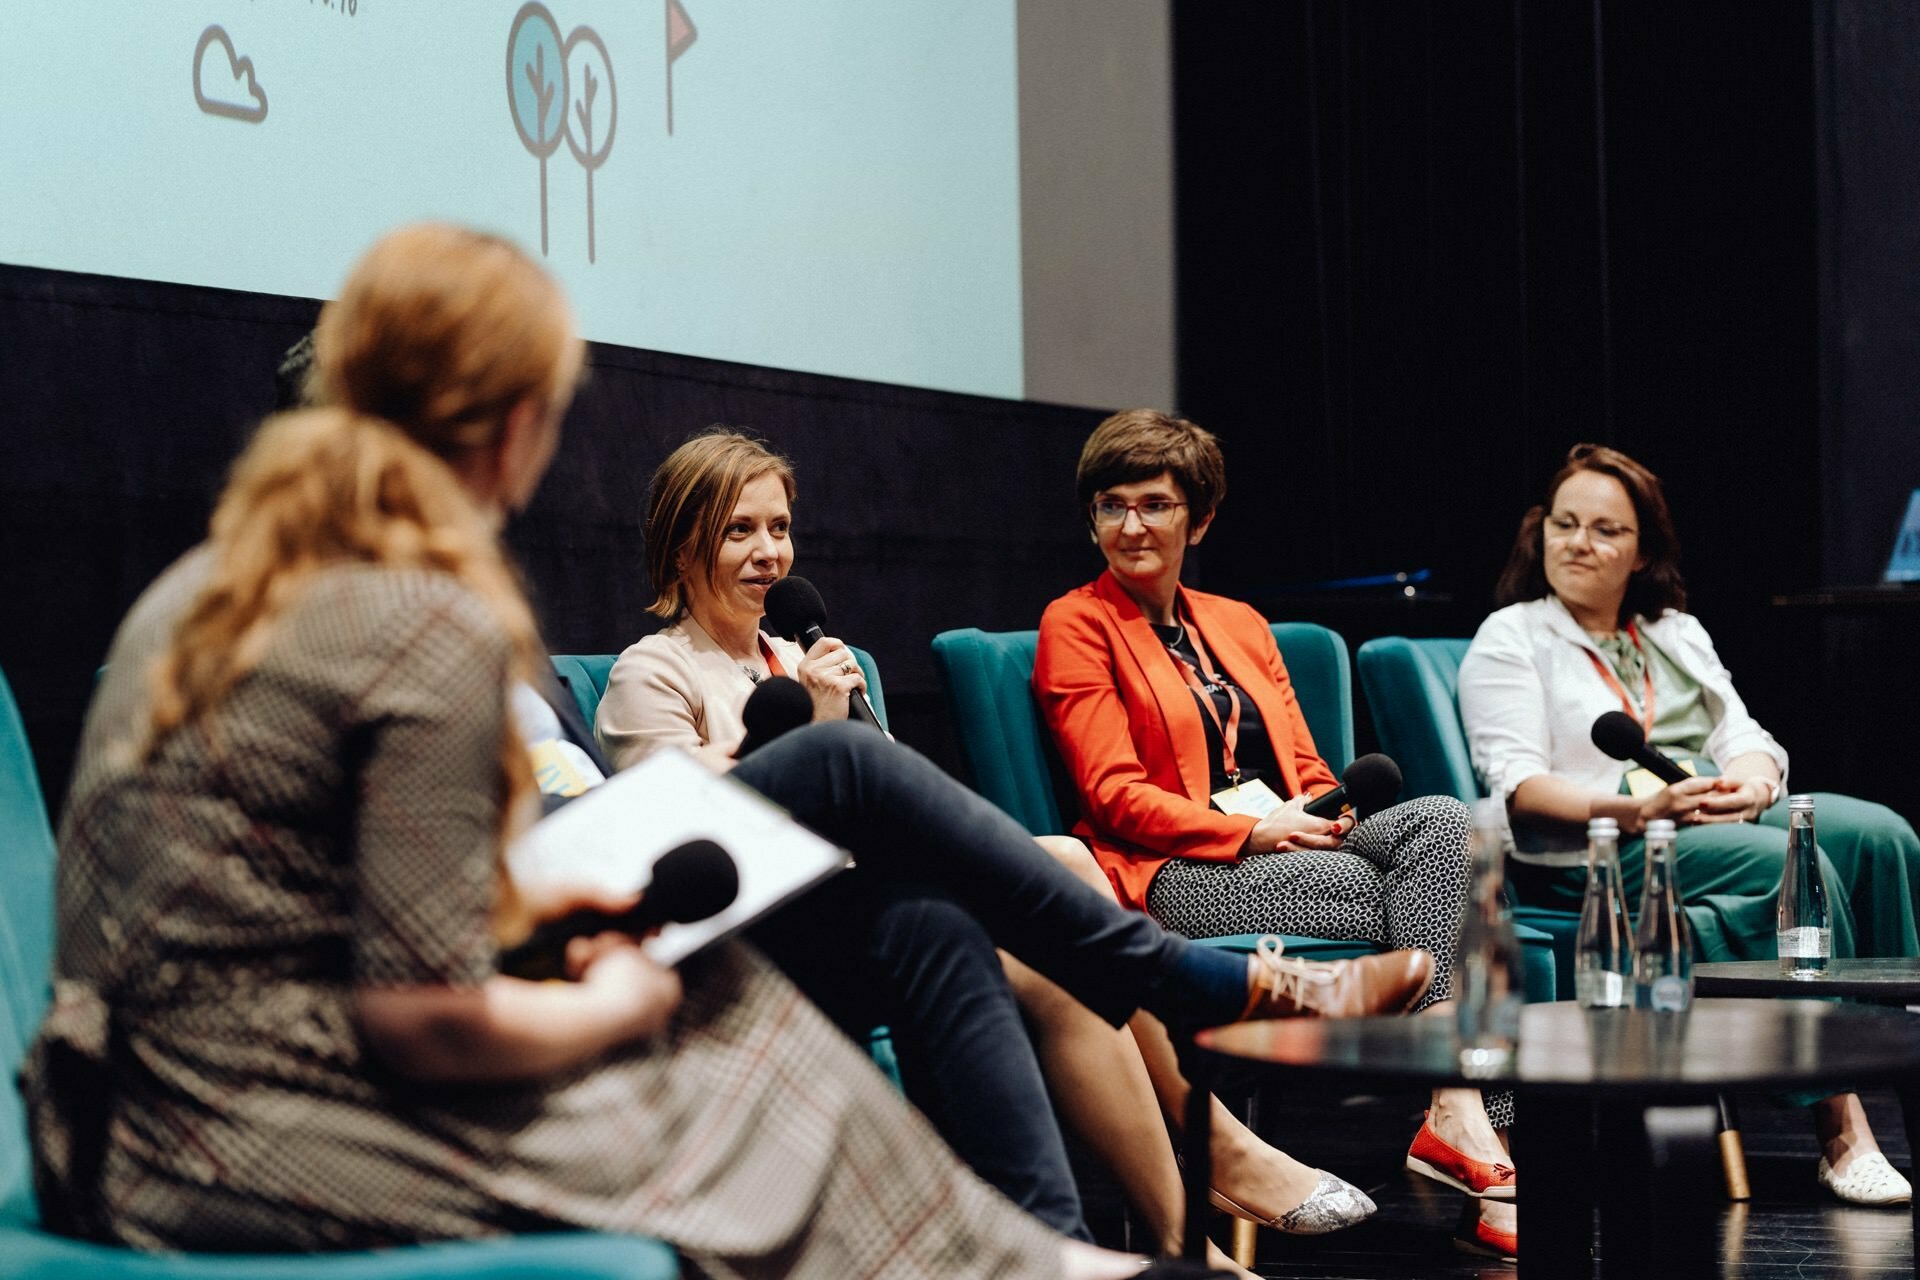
908, 937
873, 954
907, 823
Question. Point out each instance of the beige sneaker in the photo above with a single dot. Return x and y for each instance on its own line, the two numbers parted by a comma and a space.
1283, 987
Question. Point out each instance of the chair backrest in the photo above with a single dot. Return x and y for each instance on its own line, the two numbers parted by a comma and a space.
26, 944
988, 679
1412, 688
585, 675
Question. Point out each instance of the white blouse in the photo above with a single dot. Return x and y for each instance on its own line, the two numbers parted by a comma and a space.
1529, 694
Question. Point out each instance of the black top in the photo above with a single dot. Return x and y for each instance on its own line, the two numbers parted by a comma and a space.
1761, 1044
1254, 753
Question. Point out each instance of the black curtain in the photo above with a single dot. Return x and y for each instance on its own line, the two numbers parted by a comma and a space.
1425, 247
919, 511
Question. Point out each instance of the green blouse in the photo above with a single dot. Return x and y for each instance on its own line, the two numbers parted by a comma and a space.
1682, 722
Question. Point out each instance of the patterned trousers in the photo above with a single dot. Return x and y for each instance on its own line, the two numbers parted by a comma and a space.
1398, 880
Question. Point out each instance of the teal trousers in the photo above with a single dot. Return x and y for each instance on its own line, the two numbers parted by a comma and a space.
1729, 879
1877, 857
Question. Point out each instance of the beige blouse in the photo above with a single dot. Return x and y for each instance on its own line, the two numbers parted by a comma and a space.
677, 688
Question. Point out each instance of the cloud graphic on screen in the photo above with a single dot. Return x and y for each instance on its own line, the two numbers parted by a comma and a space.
230, 91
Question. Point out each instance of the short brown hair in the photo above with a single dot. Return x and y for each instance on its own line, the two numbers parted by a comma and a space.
1652, 590
688, 502
1139, 444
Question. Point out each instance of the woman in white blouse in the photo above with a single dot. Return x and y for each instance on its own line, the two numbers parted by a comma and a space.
1594, 621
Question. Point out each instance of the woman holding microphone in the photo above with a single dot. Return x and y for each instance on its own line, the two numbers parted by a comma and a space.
1594, 620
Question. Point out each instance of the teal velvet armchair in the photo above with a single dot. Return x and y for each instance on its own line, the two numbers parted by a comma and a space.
988, 677
1412, 689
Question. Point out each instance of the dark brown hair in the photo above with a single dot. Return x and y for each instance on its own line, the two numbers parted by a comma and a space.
1139, 444
688, 502
1653, 589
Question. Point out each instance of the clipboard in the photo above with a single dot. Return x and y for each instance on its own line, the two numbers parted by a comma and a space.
611, 837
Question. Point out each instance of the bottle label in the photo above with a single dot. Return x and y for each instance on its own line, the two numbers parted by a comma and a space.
1600, 989
1806, 943
1670, 993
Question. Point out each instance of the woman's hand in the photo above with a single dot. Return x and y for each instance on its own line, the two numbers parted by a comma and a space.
1696, 800
831, 677
615, 968
1290, 828
1736, 801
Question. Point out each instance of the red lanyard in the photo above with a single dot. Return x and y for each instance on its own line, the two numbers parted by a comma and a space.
1230, 731
1619, 691
773, 661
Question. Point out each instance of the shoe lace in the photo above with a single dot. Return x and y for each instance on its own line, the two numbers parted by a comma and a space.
1287, 977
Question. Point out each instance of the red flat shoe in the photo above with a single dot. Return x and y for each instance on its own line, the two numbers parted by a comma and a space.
1431, 1156
1488, 1242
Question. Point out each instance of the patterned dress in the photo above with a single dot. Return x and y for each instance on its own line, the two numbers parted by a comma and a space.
200, 1081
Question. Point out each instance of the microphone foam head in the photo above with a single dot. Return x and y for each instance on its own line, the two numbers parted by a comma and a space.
793, 605
693, 881
1619, 735
1372, 783
776, 705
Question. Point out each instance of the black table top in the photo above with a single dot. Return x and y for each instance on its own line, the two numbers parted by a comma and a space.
1894, 978
1564, 1048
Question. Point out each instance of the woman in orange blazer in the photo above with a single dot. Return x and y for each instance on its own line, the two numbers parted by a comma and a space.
1178, 724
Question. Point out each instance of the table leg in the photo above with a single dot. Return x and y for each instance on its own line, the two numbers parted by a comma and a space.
1553, 1148
1910, 1112
1659, 1190
1199, 1151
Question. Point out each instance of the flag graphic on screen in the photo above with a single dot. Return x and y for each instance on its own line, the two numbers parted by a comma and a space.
680, 35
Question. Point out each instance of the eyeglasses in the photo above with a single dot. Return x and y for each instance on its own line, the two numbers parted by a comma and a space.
1600, 532
1154, 512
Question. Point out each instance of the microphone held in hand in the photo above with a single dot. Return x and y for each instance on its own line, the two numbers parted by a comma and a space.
690, 882
776, 705
796, 611
1620, 736
1369, 785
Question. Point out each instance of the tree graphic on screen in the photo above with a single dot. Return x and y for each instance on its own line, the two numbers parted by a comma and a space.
537, 89
592, 109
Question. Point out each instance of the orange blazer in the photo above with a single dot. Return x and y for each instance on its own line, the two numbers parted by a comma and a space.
1132, 738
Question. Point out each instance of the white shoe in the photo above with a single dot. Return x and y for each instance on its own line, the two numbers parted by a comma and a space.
1868, 1180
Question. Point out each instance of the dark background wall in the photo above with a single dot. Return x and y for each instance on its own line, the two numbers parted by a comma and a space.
1421, 248
1426, 247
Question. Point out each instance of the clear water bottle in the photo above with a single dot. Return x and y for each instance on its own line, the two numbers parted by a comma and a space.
1663, 943
1805, 927
1603, 952
1487, 985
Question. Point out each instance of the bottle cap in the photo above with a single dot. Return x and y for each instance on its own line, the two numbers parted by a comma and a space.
1660, 829
1603, 829
1802, 802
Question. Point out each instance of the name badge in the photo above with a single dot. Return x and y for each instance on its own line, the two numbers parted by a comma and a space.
1253, 799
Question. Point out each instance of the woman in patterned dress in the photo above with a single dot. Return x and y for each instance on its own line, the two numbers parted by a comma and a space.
1173, 710
277, 1022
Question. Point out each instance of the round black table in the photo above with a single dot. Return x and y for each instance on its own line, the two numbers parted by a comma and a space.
1882, 979
1584, 1082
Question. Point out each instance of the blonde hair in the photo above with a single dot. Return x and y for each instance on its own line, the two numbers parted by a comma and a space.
438, 334
688, 501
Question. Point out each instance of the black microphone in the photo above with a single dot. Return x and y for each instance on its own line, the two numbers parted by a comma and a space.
1369, 785
1620, 736
776, 705
690, 882
796, 611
